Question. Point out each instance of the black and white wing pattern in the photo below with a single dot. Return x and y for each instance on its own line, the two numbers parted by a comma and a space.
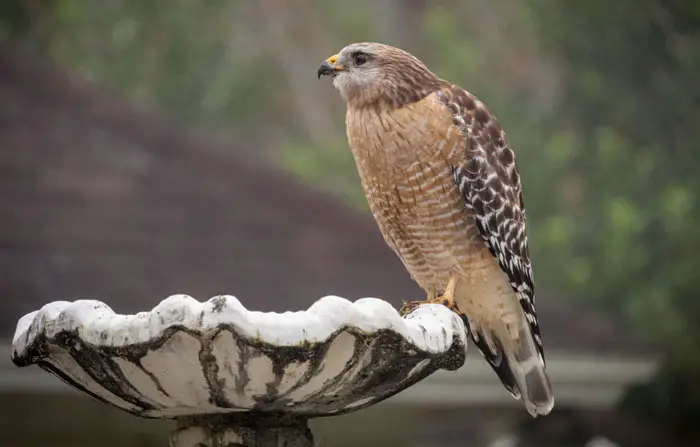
489, 182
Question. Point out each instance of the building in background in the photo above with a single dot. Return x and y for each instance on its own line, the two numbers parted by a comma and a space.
107, 202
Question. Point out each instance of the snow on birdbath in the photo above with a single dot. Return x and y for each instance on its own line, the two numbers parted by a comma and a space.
234, 377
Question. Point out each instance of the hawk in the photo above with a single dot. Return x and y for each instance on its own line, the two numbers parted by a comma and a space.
442, 184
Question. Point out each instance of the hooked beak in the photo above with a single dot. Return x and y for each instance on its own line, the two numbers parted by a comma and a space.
330, 67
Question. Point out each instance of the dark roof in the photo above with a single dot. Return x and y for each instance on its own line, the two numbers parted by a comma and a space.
103, 201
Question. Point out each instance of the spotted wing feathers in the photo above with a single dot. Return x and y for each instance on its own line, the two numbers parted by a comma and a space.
489, 182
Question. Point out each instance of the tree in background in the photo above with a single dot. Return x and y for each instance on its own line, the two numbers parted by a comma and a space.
600, 99
628, 131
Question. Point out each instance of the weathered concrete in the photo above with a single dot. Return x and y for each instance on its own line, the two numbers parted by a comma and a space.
191, 360
246, 431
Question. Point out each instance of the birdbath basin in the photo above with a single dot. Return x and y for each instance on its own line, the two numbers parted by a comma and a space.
234, 377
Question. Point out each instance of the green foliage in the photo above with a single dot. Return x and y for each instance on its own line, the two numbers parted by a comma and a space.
14, 18
632, 98
629, 95
607, 146
175, 55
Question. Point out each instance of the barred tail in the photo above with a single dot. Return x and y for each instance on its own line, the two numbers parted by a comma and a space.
528, 369
519, 367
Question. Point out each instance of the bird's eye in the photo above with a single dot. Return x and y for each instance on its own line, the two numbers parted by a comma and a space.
360, 59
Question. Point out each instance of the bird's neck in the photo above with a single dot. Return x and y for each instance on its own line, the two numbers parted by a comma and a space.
388, 95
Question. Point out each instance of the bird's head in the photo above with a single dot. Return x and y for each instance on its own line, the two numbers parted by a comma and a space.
370, 74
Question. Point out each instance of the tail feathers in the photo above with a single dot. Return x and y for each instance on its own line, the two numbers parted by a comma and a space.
520, 369
500, 365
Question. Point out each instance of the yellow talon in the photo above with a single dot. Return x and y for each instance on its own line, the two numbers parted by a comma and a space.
447, 300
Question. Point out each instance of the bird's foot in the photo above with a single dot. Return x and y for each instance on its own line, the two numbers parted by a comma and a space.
446, 301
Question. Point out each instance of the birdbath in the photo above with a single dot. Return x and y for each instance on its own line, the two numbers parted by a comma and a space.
238, 378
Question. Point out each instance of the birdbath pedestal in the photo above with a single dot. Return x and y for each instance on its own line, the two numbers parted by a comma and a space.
238, 378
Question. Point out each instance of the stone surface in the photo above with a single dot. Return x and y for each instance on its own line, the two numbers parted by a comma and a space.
231, 431
186, 358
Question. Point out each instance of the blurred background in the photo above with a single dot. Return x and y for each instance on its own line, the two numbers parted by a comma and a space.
184, 146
